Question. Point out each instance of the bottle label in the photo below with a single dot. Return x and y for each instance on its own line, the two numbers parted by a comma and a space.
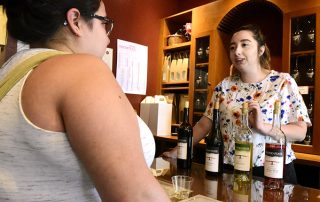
182, 149
212, 160
242, 157
274, 160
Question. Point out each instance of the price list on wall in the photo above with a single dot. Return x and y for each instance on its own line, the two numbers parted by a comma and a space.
132, 65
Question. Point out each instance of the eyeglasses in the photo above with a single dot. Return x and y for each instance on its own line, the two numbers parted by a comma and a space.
108, 22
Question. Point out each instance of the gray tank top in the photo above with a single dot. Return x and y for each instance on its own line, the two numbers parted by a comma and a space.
39, 165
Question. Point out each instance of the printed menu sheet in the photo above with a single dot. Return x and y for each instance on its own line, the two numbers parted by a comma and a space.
132, 63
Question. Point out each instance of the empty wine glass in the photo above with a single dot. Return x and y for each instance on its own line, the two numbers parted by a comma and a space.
311, 32
310, 71
200, 52
295, 72
207, 51
297, 35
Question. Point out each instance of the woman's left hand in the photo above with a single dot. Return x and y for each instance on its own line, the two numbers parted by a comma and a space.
255, 117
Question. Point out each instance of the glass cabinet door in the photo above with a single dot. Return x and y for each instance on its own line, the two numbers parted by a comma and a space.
301, 27
201, 76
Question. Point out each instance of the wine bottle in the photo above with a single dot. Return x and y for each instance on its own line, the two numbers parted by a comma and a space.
185, 140
295, 71
307, 140
275, 154
310, 105
214, 146
243, 152
310, 72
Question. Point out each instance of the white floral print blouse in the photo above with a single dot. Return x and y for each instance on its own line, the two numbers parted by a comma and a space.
233, 92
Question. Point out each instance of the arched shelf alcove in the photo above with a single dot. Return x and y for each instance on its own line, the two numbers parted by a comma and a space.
267, 16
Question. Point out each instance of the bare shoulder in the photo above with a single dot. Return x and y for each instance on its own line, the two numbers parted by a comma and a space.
75, 63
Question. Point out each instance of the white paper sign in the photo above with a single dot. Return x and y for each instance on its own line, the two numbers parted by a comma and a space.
132, 67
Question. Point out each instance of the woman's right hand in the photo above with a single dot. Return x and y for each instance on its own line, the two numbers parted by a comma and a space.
172, 153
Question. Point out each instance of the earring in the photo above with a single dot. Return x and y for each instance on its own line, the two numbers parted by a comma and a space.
65, 23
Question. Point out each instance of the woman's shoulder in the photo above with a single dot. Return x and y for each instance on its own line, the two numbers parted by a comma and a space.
78, 64
276, 76
284, 75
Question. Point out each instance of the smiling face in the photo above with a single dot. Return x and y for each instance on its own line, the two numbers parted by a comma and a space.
245, 52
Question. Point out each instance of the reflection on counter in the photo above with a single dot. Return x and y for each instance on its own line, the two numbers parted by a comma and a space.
222, 188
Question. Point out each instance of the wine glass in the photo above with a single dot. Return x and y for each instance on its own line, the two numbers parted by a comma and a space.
200, 52
311, 32
295, 73
310, 71
297, 35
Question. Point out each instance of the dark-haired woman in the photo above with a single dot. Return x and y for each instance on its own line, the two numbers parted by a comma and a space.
67, 131
254, 82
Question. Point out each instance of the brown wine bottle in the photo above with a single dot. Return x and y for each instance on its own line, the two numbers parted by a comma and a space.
214, 146
185, 141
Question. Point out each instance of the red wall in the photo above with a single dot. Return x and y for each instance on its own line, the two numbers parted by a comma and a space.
138, 21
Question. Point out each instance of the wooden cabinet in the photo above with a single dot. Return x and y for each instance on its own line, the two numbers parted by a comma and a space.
301, 58
213, 24
175, 82
203, 57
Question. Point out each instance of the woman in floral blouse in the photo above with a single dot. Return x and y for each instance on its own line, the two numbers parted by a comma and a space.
254, 82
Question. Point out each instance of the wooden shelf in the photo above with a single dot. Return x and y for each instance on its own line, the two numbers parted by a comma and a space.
175, 83
300, 53
171, 138
198, 113
178, 46
309, 159
175, 88
201, 90
202, 65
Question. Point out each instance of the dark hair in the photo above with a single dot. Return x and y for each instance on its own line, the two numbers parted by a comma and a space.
260, 38
38, 20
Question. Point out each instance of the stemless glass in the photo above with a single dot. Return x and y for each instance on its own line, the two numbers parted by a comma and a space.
182, 186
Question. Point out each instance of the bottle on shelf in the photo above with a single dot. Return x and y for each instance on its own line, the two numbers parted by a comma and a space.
311, 32
214, 146
295, 72
310, 71
296, 37
308, 139
185, 141
243, 153
310, 105
275, 154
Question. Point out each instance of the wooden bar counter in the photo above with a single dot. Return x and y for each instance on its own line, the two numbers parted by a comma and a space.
221, 187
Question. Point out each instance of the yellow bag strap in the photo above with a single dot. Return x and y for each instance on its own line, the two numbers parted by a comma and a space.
22, 69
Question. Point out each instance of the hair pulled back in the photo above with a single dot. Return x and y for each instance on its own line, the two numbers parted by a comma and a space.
260, 38
38, 20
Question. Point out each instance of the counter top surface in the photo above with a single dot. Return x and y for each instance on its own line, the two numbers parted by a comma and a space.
221, 187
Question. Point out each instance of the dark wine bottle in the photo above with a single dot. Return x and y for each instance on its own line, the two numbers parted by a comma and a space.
185, 141
214, 146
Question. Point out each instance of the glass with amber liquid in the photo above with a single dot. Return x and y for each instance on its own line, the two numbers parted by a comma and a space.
275, 154
243, 154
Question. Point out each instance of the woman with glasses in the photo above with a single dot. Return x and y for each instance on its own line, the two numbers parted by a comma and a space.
67, 131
